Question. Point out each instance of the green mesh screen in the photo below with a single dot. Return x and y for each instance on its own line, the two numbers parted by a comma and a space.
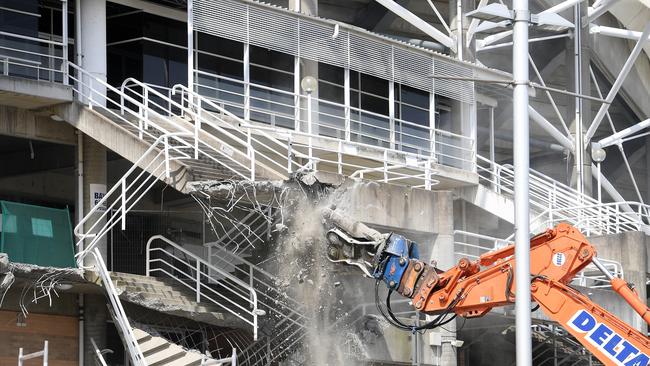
36, 235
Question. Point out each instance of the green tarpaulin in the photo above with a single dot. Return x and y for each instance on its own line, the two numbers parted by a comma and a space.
36, 235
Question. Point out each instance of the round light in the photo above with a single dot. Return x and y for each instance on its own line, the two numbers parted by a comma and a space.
309, 84
598, 155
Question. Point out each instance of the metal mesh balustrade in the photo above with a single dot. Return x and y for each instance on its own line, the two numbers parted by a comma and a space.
127, 248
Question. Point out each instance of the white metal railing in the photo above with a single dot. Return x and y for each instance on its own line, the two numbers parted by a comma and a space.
152, 166
24, 357
473, 245
557, 202
335, 156
155, 164
288, 110
33, 58
286, 311
117, 311
197, 274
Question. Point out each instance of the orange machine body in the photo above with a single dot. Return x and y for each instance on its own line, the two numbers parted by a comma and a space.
473, 288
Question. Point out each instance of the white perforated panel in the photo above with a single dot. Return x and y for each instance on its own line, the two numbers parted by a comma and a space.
315, 39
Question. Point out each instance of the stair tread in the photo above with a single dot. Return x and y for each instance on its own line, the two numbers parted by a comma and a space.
152, 345
165, 356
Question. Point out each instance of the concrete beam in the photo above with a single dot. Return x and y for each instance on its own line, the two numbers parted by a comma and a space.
117, 139
18, 122
31, 94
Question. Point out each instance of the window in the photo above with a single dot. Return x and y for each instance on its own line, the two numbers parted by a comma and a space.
42, 227
411, 119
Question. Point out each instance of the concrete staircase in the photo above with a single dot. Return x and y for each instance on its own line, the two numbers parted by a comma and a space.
170, 297
159, 351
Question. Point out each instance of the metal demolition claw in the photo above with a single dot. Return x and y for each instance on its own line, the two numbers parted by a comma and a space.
354, 243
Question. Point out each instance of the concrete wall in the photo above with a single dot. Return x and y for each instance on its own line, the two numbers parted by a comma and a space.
629, 249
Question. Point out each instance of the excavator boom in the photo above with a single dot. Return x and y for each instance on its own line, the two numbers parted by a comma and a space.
473, 288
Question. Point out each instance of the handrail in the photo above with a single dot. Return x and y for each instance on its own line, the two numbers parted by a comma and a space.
122, 185
200, 262
346, 119
119, 315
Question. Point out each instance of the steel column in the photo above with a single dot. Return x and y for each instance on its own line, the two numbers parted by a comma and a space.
521, 169
190, 45
617, 84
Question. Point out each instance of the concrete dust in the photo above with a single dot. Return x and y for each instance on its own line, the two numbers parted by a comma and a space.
311, 279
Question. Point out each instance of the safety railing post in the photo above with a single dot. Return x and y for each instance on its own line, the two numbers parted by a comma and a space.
289, 153
385, 166
140, 122
167, 172
252, 165
198, 282
123, 208
427, 173
339, 158
309, 131
197, 127
250, 283
46, 353
145, 103
147, 261
618, 219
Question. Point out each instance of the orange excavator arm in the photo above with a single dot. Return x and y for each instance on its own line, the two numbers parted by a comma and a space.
473, 288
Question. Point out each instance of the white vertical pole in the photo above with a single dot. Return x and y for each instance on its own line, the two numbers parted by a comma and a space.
600, 191
492, 152
521, 168
46, 351
391, 100
346, 96
577, 70
296, 93
64, 40
247, 82
247, 70
309, 129
198, 281
190, 45
391, 113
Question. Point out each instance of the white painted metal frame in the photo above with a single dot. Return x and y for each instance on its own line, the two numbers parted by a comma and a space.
188, 267
24, 357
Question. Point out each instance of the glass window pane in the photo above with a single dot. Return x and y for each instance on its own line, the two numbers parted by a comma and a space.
412, 96
414, 115
331, 92
330, 73
270, 58
220, 46
374, 104
354, 80
373, 85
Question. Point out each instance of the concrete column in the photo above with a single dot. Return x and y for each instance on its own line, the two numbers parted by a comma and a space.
94, 179
630, 250
93, 43
443, 254
95, 317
